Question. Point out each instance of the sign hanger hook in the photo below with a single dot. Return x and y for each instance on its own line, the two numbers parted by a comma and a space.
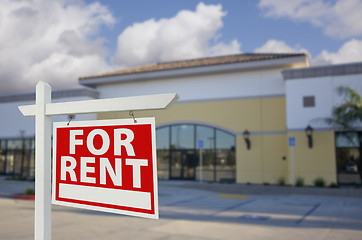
70, 117
132, 115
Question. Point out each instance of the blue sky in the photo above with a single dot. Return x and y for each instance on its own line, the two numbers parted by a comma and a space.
244, 21
61, 40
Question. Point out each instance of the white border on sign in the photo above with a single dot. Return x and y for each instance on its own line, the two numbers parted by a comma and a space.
110, 122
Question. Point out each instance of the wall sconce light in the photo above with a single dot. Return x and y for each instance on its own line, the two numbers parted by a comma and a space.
309, 133
246, 135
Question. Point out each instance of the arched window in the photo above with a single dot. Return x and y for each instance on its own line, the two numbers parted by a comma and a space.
179, 153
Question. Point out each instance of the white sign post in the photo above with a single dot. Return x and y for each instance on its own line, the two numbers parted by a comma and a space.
42, 221
43, 110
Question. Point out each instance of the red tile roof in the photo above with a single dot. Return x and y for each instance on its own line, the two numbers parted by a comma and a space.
200, 62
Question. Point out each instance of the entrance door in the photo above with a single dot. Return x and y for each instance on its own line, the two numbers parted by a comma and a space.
14, 159
349, 153
182, 164
2, 161
348, 166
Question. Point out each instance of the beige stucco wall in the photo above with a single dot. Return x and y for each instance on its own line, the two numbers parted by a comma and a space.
263, 162
268, 160
315, 162
254, 114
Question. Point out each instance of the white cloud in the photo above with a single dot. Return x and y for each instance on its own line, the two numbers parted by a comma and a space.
349, 52
224, 49
341, 18
62, 70
56, 41
277, 46
53, 41
184, 36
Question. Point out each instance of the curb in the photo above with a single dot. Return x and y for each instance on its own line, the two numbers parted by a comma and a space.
270, 190
23, 197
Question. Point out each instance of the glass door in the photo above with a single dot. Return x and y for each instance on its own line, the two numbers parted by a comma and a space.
2, 161
182, 164
348, 167
348, 151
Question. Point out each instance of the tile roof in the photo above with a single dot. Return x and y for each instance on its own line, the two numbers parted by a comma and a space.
200, 62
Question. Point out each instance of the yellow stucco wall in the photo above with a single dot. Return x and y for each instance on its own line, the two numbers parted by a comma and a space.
255, 114
315, 162
274, 158
248, 162
265, 118
273, 114
265, 162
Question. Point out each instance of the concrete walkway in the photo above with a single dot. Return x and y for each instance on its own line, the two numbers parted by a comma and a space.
348, 191
187, 211
8, 188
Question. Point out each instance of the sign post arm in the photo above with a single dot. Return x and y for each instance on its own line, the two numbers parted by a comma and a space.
42, 163
150, 102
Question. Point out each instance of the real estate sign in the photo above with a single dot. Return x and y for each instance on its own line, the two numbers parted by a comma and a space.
106, 165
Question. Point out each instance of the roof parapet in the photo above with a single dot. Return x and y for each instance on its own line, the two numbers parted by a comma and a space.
323, 71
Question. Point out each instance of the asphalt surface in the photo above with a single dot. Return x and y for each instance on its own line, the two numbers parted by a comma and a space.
189, 210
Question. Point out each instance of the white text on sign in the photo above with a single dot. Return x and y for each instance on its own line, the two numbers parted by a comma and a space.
69, 163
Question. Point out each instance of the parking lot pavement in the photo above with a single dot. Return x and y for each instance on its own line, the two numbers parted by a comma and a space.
187, 213
8, 188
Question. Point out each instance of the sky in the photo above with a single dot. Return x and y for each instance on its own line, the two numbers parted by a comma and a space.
59, 41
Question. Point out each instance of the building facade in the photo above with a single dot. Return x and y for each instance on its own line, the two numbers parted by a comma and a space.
17, 133
311, 94
237, 113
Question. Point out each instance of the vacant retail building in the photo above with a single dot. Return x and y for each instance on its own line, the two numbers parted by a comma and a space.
242, 110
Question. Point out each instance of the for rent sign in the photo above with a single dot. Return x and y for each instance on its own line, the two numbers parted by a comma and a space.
106, 165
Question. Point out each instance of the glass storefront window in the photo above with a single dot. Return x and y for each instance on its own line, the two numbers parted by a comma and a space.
178, 154
17, 157
2, 161
225, 165
15, 144
348, 166
206, 134
349, 139
208, 169
163, 138
32, 164
224, 140
9, 163
29, 144
182, 136
163, 159
3, 144
18, 162
348, 153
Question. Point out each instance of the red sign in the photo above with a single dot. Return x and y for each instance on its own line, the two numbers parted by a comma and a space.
106, 165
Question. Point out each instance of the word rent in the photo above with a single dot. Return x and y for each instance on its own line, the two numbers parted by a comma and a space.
122, 139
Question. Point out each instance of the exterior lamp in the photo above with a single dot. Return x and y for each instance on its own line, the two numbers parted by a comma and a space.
246, 135
309, 133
